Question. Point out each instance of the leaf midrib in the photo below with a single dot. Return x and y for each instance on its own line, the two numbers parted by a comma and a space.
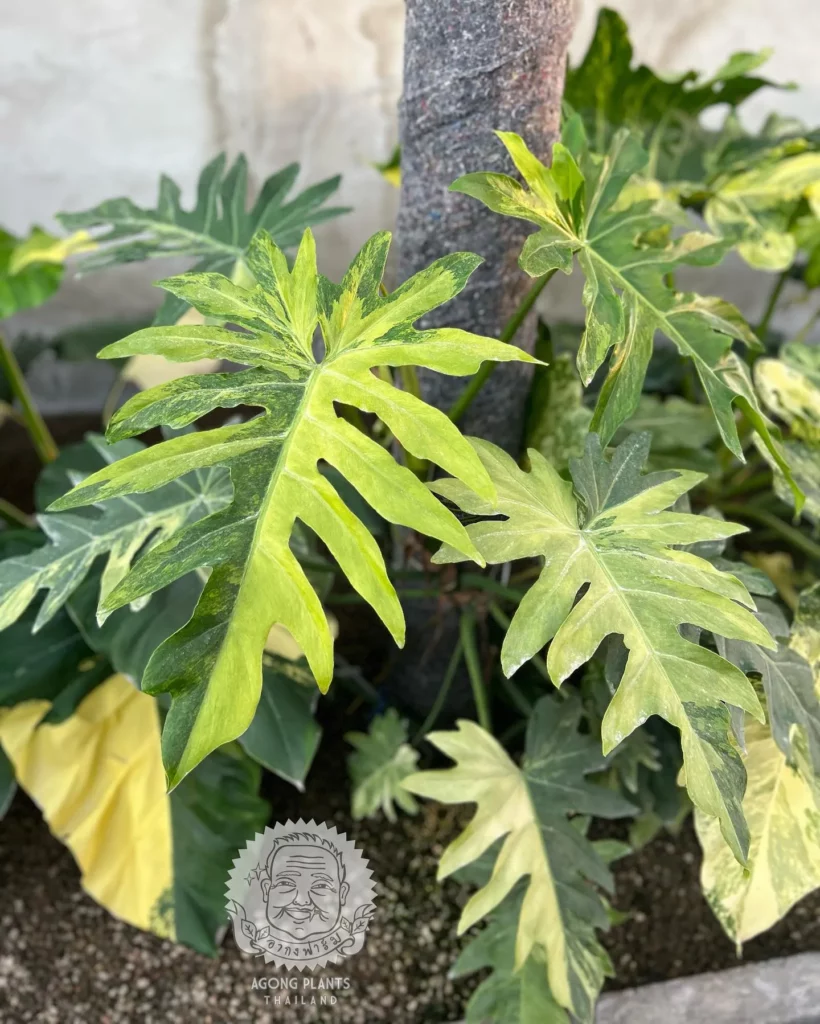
160, 227
599, 559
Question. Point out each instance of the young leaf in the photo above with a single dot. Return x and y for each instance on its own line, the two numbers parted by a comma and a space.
27, 286
582, 209
527, 807
756, 206
615, 539
782, 806
124, 527
216, 232
383, 759
212, 667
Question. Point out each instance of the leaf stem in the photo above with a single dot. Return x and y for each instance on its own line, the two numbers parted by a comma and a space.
465, 399
771, 305
537, 662
35, 424
15, 516
467, 629
441, 696
788, 533
479, 582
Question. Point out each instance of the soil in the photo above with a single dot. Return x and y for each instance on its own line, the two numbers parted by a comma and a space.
63, 959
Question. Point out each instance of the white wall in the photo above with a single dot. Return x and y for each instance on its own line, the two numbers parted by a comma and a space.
98, 96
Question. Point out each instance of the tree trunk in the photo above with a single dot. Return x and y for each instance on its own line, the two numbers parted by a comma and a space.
470, 67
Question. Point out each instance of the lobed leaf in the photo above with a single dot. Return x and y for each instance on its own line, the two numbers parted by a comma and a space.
612, 543
583, 209
216, 232
383, 758
526, 808
212, 667
124, 528
790, 389
783, 810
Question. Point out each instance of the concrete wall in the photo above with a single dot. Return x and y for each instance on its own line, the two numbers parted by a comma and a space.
98, 96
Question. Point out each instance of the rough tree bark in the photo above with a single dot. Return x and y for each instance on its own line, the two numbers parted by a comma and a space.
472, 66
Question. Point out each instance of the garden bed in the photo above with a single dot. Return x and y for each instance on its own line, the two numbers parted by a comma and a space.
64, 959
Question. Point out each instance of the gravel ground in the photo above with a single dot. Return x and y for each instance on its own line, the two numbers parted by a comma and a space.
64, 960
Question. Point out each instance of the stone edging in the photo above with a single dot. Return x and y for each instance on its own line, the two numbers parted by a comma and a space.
782, 991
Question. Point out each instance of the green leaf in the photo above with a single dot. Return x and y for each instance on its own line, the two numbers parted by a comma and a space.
8, 784
28, 287
123, 528
507, 996
755, 207
614, 538
805, 636
788, 682
56, 665
212, 667
214, 812
129, 637
383, 759
783, 810
681, 432
284, 735
216, 232
527, 807
558, 421
582, 210
609, 92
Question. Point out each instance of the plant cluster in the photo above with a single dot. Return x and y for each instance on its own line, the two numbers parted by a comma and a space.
640, 606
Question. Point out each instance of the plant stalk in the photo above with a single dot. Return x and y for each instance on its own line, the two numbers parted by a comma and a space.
790, 534
15, 516
465, 399
35, 424
441, 696
771, 305
467, 627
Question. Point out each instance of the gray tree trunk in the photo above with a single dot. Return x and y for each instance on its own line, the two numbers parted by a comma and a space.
470, 67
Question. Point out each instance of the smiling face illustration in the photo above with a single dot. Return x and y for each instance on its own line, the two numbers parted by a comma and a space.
304, 889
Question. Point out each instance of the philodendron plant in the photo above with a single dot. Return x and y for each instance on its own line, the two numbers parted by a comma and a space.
637, 592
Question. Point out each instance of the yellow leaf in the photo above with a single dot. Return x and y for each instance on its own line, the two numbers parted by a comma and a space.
40, 247
99, 780
784, 857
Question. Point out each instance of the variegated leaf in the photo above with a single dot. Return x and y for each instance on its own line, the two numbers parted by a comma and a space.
527, 808
216, 232
212, 667
585, 212
612, 542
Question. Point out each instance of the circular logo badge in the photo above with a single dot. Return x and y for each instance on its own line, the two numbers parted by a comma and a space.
300, 895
